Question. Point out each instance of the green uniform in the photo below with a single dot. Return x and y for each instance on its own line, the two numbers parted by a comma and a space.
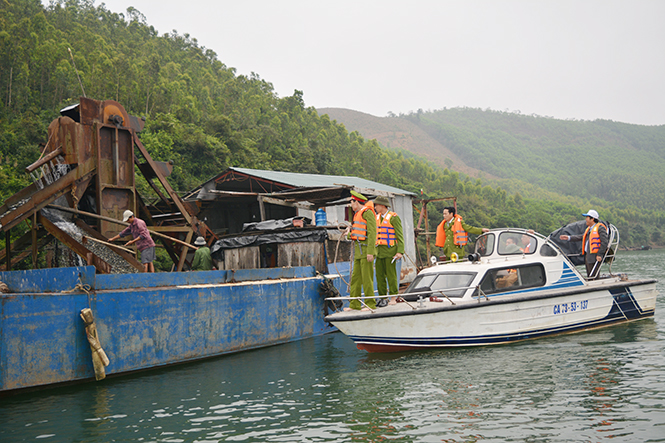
386, 269
363, 270
450, 247
202, 259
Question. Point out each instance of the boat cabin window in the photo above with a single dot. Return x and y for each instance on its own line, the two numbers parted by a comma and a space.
485, 245
510, 279
528, 244
510, 243
450, 284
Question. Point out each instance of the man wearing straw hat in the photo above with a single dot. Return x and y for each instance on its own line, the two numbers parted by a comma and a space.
363, 234
202, 259
142, 238
389, 249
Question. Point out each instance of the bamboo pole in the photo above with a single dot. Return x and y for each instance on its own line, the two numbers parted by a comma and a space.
121, 223
86, 238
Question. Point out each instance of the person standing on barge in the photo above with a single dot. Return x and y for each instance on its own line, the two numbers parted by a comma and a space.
202, 260
389, 249
142, 238
363, 234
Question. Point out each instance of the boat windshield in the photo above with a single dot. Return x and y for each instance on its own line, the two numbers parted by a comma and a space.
450, 284
485, 245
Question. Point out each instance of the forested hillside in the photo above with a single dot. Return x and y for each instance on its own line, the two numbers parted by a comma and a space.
401, 134
205, 117
613, 161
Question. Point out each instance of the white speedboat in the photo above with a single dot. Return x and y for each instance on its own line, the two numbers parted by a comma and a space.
502, 293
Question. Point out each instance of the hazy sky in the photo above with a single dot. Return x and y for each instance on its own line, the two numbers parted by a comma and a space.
583, 59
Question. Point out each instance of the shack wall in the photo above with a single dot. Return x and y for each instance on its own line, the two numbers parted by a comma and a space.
302, 254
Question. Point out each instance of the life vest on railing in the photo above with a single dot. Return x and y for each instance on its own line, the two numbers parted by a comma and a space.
385, 231
594, 239
359, 226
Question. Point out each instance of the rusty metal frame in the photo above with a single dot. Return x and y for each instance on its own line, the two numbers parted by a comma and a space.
88, 144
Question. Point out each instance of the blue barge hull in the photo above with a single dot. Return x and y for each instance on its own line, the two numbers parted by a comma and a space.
148, 320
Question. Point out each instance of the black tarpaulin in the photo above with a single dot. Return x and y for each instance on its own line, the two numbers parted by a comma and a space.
263, 238
573, 249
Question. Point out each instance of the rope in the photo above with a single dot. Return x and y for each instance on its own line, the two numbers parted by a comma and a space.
329, 290
414, 263
344, 225
80, 287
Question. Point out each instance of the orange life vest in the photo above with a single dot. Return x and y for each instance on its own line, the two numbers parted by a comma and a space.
460, 236
385, 231
594, 239
359, 226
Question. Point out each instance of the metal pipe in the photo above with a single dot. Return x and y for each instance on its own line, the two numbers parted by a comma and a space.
85, 238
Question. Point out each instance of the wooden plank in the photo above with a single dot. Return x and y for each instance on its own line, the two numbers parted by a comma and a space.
170, 228
276, 201
242, 258
183, 253
301, 254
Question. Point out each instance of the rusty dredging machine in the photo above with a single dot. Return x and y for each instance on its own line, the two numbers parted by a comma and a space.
82, 184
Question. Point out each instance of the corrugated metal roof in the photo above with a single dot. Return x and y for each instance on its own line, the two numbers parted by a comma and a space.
318, 180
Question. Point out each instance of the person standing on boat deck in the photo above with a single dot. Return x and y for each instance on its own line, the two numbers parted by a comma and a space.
389, 249
202, 260
363, 234
142, 238
452, 234
594, 243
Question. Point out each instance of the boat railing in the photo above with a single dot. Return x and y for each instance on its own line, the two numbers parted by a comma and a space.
480, 294
432, 294
612, 247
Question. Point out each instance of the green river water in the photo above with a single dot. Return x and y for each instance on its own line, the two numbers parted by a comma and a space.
601, 385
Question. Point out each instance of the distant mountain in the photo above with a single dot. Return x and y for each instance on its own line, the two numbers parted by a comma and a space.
400, 133
616, 162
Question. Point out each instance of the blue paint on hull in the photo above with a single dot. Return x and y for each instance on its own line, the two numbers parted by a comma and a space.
148, 320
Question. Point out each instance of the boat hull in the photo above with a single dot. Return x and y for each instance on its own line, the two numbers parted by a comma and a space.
146, 321
500, 319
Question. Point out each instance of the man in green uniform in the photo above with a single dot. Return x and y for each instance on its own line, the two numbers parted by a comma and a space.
389, 249
363, 234
202, 258
452, 234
